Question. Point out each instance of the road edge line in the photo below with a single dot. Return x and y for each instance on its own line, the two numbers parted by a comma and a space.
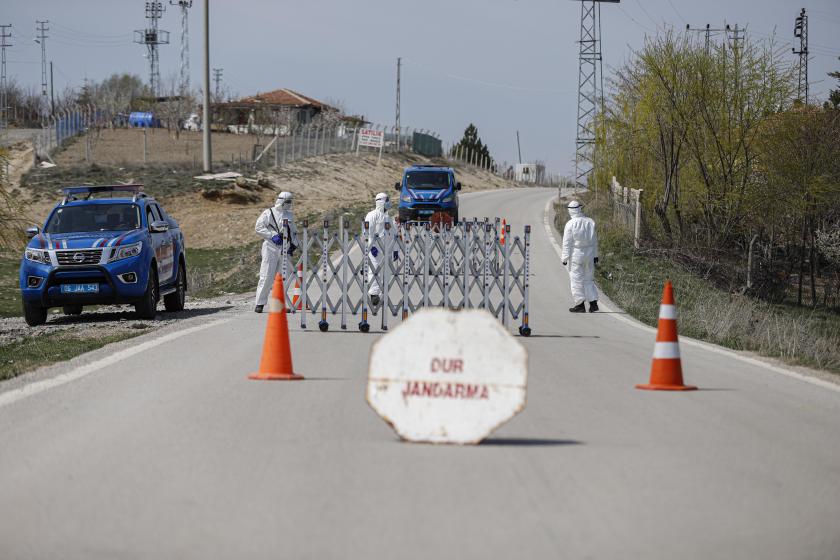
615, 314
34, 388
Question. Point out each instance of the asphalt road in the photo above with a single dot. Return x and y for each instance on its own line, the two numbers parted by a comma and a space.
170, 452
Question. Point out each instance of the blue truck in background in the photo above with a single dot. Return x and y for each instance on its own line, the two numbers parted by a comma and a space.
428, 193
99, 251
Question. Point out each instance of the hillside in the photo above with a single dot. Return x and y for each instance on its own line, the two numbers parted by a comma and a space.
218, 215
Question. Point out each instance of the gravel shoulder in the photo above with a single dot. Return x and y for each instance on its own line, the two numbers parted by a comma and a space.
25, 351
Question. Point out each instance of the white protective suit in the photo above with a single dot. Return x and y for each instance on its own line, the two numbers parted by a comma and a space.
377, 218
580, 249
270, 224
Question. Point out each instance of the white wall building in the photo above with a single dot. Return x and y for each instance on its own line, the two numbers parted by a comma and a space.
529, 173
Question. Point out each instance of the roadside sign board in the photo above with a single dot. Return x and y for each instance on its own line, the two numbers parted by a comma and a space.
447, 377
371, 138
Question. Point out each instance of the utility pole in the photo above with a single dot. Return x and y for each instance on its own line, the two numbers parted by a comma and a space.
800, 31
737, 36
518, 147
41, 28
52, 90
708, 31
399, 66
590, 95
205, 118
217, 77
5, 34
152, 37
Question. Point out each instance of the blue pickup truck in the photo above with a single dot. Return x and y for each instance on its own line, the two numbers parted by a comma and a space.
428, 193
95, 250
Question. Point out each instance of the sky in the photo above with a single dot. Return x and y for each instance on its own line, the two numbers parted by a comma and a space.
504, 65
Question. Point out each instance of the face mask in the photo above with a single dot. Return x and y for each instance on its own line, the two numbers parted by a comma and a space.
383, 205
574, 212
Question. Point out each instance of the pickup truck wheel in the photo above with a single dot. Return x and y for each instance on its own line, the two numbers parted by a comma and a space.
34, 314
72, 309
147, 308
175, 300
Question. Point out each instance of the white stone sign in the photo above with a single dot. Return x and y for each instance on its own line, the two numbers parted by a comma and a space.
447, 377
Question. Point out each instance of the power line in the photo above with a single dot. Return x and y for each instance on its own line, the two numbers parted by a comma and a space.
708, 31
637, 22
676, 11
653, 21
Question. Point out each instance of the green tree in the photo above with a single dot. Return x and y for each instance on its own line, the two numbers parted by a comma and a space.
471, 148
683, 125
834, 94
118, 93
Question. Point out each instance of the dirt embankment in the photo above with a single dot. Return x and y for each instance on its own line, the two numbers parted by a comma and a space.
322, 185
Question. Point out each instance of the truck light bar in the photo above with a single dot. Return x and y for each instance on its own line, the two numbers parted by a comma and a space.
72, 193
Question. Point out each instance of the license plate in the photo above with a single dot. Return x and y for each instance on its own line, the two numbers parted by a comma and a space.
80, 288
425, 212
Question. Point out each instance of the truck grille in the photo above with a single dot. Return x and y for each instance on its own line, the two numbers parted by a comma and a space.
79, 256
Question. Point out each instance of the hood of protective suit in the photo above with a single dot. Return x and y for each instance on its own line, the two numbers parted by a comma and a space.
284, 201
575, 209
383, 203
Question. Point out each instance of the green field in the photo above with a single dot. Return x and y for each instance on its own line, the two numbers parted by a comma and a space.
9, 289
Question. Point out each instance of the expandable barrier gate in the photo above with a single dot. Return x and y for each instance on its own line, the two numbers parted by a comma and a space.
471, 264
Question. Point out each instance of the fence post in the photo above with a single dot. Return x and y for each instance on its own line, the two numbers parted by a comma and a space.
638, 224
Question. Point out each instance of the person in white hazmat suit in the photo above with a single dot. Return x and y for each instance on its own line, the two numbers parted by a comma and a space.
270, 227
376, 219
580, 255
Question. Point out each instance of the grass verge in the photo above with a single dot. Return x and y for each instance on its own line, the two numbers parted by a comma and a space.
10, 305
36, 351
634, 279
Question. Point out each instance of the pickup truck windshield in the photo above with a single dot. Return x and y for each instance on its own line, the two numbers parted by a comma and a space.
427, 180
96, 217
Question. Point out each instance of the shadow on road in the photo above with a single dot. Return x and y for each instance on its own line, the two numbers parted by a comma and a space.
528, 442
564, 336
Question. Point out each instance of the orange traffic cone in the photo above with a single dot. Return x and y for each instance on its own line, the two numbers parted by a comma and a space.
296, 299
666, 371
276, 360
504, 227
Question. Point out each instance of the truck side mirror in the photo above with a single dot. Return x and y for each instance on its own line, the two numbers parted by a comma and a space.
397, 186
159, 226
32, 231
457, 186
